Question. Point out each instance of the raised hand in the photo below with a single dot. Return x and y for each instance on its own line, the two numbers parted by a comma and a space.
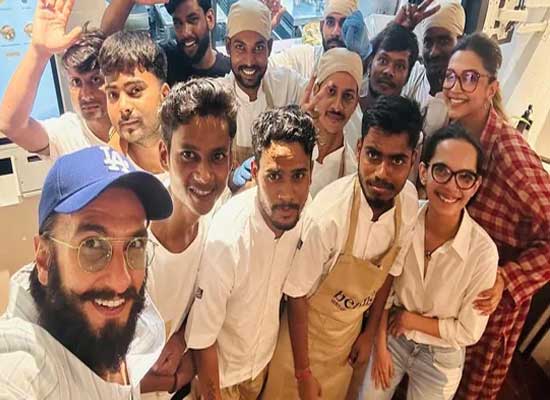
410, 15
277, 11
309, 100
50, 22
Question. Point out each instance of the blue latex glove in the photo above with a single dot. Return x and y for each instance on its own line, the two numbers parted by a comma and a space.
355, 35
242, 173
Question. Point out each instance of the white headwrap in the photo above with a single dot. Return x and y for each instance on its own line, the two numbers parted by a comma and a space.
249, 15
344, 7
450, 16
340, 59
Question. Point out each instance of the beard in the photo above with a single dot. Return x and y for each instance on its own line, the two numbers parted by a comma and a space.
203, 44
332, 43
60, 314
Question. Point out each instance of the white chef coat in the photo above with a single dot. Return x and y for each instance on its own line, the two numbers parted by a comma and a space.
67, 134
34, 365
240, 285
341, 160
326, 225
283, 85
302, 59
458, 271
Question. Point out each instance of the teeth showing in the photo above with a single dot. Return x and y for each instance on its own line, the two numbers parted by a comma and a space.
248, 71
199, 192
457, 101
189, 43
110, 303
446, 199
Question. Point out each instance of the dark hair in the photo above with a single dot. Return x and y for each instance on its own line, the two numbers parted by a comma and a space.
123, 52
452, 131
394, 115
394, 37
285, 124
491, 57
199, 97
173, 4
47, 226
83, 55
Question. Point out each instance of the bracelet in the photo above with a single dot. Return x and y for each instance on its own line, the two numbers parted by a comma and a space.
302, 374
175, 385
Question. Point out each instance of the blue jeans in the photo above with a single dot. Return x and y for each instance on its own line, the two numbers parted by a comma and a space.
434, 372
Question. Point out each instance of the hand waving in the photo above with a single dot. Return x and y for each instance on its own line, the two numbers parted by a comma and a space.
50, 22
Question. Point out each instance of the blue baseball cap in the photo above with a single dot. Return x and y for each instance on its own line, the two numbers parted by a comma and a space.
76, 179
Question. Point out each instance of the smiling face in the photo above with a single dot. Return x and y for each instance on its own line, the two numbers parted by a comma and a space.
192, 26
389, 72
447, 198
336, 108
87, 94
283, 175
199, 162
464, 105
331, 31
249, 52
385, 161
133, 101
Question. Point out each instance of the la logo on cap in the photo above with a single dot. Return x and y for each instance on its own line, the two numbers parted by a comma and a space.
114, 161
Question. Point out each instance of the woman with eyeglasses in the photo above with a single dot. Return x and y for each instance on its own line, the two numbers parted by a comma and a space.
512, 205
450, 259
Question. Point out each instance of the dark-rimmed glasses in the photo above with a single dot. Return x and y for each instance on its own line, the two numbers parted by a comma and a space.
465, 179
95, 252
468, 79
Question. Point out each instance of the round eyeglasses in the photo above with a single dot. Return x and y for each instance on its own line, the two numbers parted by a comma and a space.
464, 178
468, 79
95, 252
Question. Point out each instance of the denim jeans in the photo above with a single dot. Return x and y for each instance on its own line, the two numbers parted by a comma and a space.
434, 372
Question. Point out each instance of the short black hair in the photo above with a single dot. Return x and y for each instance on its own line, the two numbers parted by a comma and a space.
453, 131
173, 4
83, 55
394, 37
200, 97
285, 124
123, 52
394, 115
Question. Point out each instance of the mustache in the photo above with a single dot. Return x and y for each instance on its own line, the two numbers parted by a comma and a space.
386, 81
381, 183
337, 114
242, 67
106, 294
293, 206
337, 41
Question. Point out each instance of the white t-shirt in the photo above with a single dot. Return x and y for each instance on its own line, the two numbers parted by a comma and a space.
67, 134
34, 365
240, 285
325, 231
458, 271
329, 171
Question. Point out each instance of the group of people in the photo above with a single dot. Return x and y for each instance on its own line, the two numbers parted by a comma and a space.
248, 226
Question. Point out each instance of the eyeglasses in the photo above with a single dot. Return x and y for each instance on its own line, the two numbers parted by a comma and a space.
468, 79
464, 178
95, 253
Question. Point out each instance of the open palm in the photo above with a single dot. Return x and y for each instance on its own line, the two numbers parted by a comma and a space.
50, 22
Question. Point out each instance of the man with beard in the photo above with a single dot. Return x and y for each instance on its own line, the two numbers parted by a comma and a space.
79, 324
343, 268
192, 55
89, 124
198, 123
135, 83
234, 320
255, 86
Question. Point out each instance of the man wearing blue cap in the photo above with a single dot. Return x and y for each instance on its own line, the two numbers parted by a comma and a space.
79, 323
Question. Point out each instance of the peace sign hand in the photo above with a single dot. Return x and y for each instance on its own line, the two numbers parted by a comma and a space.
310, 101
50, 22
410, 15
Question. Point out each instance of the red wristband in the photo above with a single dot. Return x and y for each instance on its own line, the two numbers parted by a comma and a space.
302, 374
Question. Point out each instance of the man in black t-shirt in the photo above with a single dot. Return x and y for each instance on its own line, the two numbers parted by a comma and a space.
192, 53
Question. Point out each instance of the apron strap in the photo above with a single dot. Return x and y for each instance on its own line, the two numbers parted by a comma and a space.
354, 216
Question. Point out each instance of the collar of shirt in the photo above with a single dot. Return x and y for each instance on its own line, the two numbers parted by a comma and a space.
489, 136
148, 338
242, 97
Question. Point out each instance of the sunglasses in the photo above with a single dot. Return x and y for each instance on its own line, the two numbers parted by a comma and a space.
464, 178
468, 79
95, 253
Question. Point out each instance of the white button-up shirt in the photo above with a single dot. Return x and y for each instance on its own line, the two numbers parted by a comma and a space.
326, 225
34, 365
240, 285
457, 272
341, 160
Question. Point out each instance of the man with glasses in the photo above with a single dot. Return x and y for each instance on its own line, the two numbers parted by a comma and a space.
79, 324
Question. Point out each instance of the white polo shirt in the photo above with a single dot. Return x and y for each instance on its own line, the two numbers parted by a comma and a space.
457, 272
67, 134
34, 365
240, 285
326, 225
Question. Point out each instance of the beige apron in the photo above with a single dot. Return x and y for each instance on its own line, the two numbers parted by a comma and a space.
335, 316
242, 153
